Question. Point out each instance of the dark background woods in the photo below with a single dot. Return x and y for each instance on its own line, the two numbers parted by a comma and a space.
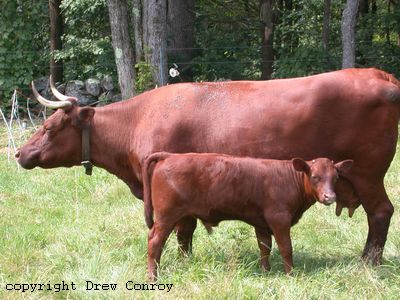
138, 41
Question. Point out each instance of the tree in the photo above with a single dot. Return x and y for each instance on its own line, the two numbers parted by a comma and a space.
87, 47
180, 35
24, 45
155, 38
327, 22
227, 40
348, 33
56, 31
123, 50
137, 24
267, 55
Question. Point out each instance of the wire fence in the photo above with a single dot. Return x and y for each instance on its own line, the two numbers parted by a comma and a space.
18, 128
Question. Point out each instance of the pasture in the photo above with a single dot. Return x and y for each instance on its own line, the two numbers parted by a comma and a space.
61, 225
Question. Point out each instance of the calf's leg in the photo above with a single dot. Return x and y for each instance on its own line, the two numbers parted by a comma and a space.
184, 231
264, 243
280, 225
156, 241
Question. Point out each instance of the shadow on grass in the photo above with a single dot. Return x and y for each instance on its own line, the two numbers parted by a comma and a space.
310, 263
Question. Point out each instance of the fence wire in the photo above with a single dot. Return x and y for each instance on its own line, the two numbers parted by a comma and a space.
18, 128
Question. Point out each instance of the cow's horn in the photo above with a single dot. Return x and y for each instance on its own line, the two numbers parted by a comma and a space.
48, 103
57, 94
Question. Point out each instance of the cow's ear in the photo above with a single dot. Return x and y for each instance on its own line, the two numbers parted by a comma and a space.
86, 114
344, 166
300, 165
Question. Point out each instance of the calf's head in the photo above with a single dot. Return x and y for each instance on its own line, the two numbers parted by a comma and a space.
58, 142
320, 177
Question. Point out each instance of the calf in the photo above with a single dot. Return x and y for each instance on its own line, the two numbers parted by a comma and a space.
271, 195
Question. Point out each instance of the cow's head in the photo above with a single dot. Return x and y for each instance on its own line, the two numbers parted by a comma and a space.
321, 176
58, 143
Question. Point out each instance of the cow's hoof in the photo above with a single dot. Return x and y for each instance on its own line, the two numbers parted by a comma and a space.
373, 257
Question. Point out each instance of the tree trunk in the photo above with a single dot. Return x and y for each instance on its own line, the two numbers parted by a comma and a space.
364, 7
327, 24
267, 55
181, 40
374, 7
56, 31
137, 20
123, 50
349, 19
387, 28
367, 24
155, 38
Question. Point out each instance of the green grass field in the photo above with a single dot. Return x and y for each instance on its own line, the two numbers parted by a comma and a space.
61, 225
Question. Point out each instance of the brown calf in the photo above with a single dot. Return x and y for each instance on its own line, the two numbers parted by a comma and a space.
271, 195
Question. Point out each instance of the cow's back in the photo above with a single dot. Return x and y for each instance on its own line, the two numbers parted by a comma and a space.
342, 114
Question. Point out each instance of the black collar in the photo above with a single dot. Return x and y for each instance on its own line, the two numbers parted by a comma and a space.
86, 163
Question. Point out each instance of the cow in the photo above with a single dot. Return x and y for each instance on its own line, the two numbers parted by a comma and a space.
270, 195
345, 114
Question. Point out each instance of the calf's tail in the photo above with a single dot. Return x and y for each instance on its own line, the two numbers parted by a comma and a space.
147, 173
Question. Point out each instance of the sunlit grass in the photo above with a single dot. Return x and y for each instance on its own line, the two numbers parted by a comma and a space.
61, 225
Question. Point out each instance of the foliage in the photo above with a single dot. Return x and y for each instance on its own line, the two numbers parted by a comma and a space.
379, 39
60, 224
298, 39
305, 60
23, 45
87, 49
144, 77
228, 40
227, 33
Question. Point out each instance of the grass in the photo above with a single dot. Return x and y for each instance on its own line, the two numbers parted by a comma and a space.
61, 225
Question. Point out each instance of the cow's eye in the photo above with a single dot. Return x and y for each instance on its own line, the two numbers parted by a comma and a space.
49, 130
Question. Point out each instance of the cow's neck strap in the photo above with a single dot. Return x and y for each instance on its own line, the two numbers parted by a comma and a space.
86, 163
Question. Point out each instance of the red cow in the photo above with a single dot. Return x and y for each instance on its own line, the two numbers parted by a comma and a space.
352, 113
269, 194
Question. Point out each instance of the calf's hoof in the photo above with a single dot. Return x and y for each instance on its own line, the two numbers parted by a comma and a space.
152, 278
265, 268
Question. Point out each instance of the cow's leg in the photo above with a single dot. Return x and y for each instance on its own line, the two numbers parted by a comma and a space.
184, 231
280, 225
379, 211
264, 243
156, 241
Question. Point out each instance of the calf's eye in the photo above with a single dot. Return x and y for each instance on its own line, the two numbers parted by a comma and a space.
315, 178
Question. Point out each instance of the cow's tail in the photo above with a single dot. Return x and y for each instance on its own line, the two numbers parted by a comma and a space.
393, 92
147, 173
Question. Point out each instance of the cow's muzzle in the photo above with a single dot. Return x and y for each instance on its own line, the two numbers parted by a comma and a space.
27, 159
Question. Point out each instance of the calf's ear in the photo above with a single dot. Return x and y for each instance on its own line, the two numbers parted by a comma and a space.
344, 166
300, 165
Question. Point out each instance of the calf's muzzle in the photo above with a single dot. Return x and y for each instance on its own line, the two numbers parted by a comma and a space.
329, 198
